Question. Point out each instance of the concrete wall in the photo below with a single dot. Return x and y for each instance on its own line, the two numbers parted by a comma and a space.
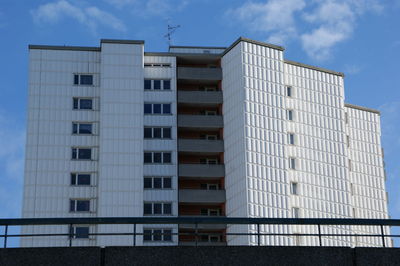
200, 256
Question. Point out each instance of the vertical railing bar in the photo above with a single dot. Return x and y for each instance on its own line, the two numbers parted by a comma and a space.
196, 233
134, 235
70, 235
319, 235
258, 234
383, 236
5, 235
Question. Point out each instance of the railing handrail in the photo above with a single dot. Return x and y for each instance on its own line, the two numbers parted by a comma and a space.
197, 220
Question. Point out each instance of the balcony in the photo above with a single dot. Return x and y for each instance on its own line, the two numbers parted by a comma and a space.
201, 196
199, 73
200, 97
203, 171
202, 122
200, 146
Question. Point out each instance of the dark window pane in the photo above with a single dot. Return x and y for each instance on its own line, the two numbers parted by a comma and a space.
86, 79
204, 212
76, 79
204, 238
167, 157
147, 235
157, 133
167, 235
147, 84
72, 205
157, 208
86, 104
147, 157
82, 232
76, 103
73, 179
289, 91
82, 205
167, 208
147, 108
147, 208
157, 108
203, 186
74, 128
167, 182
85, 129
74, 154
147, 133
157, 157
147, 182
85, 154
84, 179
166, 108
167, 133
167, 84
157, 84
157, 182
157, 235
203, 161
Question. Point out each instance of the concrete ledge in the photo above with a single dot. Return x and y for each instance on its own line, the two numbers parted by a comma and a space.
73, 256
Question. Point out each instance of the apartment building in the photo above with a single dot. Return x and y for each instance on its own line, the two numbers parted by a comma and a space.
115, 131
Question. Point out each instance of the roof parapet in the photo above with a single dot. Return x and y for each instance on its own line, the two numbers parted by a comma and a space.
122, 41
63, 47
314, 68
242, 39
348, 105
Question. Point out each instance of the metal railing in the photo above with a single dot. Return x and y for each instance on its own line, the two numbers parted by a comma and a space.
199, 220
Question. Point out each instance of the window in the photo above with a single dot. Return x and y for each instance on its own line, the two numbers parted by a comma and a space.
348, 140
290, 115
157, 108
82, 128
210, 212
79, 205
209, 186
210, 238
81, 232
157, 84
82, 104
295, 212
157, 157
81, 153
292, 163
346, 117
289, 91
83, 79
157, 234
209, 161
157, 132
291, 138
209, 137
157, 65
350, 166
293, 188
157, 208
79, 179
157, 182
210, 112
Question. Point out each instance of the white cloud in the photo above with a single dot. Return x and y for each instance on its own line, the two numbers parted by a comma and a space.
319, 25
274, 17
121, 3
352, 69
88, 16
150, 7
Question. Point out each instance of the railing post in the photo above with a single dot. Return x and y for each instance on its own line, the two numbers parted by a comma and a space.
319, 235
196, 233
258, 234
134, 235
5, 236
383, 236
70, 235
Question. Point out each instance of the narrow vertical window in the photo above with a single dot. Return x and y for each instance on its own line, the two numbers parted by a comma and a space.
348, 140
290, 115
289, 91
291, 138
294, 188
147, 84
292, 163
295, 212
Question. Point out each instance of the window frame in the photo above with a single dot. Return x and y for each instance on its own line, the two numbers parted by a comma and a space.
79, 99
77, 153
289, 91
163, 131
290, 115
75, 205
75, 176
294, 188
153, 157
292, 163
79, 75
74, 234
291, 138
163, 84
152, 234
163, 106
152, 203
296, 212
152, 178
78, 125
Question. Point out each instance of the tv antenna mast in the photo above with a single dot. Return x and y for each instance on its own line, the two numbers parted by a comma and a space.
171, 30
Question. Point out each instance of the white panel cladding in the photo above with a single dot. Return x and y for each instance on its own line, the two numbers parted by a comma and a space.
367, 175
321, 166
162, 96
265, 116
48, 164
199, 50
121, 138
234, 153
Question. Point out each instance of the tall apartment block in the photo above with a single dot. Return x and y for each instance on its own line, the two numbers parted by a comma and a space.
115, 131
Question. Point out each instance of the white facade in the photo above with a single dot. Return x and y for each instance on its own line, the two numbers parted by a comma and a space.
292, 147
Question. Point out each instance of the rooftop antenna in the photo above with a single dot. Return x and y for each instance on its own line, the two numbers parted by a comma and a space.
171, 30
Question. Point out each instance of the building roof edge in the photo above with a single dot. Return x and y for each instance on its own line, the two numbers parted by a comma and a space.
362, 108
314, 68
242, 39
63, 47
121, 41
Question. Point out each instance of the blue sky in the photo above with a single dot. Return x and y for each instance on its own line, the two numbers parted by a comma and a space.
358, 37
